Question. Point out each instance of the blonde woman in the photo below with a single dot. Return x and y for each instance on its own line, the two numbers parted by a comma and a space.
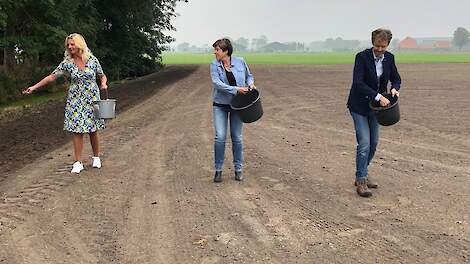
82, 68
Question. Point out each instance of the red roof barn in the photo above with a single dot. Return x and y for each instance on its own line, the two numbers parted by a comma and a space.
408, 43
442, 44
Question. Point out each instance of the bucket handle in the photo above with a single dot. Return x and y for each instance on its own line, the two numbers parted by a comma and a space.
251, 87
97, 106
247, 106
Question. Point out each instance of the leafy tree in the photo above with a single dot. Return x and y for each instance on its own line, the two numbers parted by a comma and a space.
258, 43
34, 30
242, 42
461, 37
340, 44
183, 47
132, 34
127, 36
237, 47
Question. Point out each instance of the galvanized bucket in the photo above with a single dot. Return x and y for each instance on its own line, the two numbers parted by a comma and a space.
105, 109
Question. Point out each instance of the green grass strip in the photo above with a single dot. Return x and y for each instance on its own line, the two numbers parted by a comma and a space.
33, 99
313, 58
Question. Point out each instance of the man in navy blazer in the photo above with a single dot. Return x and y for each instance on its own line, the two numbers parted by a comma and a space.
374, 68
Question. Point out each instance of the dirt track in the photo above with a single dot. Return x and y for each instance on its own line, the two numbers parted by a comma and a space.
154, 200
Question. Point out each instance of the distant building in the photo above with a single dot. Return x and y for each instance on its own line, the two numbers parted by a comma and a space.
408, 43
443, 44
274, 47
423, 44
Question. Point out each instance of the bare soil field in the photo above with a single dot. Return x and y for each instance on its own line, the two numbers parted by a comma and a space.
154, 200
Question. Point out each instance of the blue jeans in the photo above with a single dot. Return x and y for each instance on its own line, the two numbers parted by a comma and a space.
221, 115
367, 136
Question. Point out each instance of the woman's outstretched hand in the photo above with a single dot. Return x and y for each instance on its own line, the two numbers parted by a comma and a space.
28, 90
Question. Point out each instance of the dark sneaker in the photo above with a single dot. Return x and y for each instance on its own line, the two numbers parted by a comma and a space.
238, 176
218, 176
362, 188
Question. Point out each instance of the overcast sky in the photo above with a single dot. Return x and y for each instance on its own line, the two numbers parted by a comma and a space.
204, 21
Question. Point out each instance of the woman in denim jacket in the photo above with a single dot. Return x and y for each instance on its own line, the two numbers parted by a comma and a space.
230, 75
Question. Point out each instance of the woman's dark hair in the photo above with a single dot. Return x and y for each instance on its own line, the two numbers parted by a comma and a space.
382, 34
225, 45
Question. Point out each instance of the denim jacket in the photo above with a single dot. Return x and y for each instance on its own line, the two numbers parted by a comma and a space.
223, 92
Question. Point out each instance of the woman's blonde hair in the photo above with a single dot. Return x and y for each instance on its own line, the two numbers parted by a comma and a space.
80, 43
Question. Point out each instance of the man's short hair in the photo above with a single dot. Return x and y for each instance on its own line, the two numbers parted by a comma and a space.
382, 34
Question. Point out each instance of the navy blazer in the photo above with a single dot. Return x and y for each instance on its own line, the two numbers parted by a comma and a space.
365, 85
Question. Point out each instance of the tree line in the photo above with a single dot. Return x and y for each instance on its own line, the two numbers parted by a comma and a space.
127, 36
460, 41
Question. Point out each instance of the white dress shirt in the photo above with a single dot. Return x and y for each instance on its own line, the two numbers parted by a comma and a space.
379, 69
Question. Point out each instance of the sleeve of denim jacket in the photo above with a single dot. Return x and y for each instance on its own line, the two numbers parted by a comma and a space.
248, 75
218, 83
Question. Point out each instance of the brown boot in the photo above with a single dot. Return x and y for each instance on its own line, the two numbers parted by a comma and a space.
370, 183
362, 188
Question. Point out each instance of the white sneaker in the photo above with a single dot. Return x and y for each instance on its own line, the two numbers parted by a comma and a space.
77, 167
96, 162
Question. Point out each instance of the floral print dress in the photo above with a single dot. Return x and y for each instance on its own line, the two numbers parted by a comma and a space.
79, 111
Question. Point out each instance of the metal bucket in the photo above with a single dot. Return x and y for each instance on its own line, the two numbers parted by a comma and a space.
105, 109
